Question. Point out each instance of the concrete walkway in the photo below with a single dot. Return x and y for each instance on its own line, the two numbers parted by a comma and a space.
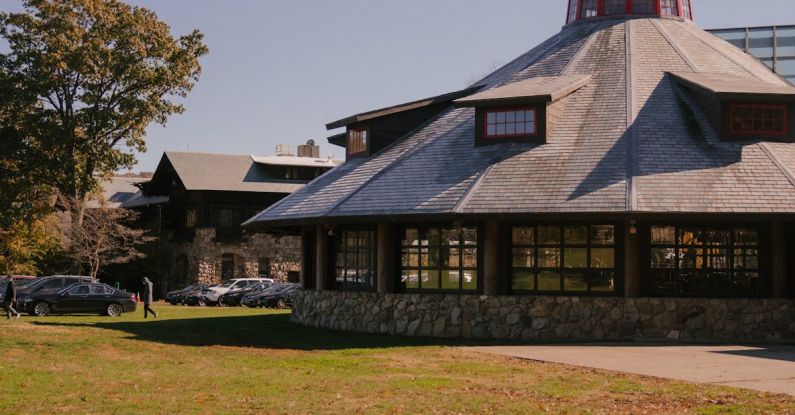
765, 368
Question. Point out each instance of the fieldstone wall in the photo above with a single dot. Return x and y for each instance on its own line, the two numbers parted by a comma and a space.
204, 254
548, 318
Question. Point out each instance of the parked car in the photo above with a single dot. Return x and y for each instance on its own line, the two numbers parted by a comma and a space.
281, 297
235, 297
51, 284
78, 298
252, 299
195, 297
211, 294
178, 296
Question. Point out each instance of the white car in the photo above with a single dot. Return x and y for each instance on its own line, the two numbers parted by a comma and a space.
211, 294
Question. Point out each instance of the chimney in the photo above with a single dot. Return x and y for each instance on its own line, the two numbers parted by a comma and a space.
284, 150
309, 150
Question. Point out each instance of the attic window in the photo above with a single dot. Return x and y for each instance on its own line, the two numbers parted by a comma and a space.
357, 140
758, 119
669, 7
511, 123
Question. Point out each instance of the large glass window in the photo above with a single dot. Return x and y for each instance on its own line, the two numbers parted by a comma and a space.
440, 259
643, 7
506, 123
354, 260
669, 7
756, 119
564, 258
357, 140
704, 261
227, 266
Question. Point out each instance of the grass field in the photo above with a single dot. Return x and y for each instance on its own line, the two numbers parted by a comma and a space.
230, 361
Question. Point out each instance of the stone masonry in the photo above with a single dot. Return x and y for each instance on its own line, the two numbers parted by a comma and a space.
540, 318
204, 256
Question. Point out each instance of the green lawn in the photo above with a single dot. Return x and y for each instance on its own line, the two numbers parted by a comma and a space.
222, 360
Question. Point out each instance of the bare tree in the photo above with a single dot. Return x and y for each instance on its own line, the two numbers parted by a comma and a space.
106, 237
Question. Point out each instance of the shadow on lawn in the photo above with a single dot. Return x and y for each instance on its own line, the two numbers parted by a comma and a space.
274, 331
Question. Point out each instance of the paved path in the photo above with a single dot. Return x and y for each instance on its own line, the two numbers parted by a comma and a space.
766, 368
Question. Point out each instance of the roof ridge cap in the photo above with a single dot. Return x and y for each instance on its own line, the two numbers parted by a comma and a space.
789, 174
581, 51
679, 51
738, 62
632, 195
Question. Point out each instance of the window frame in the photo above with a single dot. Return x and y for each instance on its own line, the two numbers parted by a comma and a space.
762, 257
367, 140
618, 258
439, 267
784, 107
372, 252
481, 124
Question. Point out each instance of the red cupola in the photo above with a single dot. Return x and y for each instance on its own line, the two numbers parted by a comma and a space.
589, 9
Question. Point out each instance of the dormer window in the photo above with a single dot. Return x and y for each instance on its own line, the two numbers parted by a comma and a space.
357, 141
511, 123
758, 120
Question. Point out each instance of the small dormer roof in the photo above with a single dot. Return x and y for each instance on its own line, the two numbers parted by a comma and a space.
733, 86
540, 89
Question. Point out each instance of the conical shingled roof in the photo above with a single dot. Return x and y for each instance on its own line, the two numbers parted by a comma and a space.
631, 140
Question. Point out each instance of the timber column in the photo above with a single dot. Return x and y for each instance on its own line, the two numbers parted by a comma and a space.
386, 259
778, 255
491, 258
321, 252
631, 262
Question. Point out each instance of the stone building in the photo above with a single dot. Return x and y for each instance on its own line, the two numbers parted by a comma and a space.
631, 177
196, 203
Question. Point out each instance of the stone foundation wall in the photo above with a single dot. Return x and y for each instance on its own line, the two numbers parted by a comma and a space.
548, 318
204, 254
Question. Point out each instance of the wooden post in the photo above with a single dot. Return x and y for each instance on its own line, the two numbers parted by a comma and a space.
491, 258
321, 252
779, 259
386, 259
307, 257
631, 259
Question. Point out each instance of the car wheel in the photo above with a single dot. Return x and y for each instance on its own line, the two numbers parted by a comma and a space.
41, 309
115, 310
220, 302
280, 303
202, 303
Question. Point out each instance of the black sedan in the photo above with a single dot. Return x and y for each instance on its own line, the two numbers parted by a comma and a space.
235, 297
281, 298
178, 296
79, 298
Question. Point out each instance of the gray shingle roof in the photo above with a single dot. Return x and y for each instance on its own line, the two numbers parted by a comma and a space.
225, 172
542, 89
728, 84
622, 142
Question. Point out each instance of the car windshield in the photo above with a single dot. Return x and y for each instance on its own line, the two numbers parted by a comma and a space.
226, 284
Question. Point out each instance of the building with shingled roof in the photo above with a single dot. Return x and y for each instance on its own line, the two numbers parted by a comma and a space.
631, 177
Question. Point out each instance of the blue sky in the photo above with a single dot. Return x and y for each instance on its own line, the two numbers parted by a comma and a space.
279, 70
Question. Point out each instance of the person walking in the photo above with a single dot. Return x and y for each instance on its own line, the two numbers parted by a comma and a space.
10, 299
147, 298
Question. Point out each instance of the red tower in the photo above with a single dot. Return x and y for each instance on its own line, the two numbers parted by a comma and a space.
590, 9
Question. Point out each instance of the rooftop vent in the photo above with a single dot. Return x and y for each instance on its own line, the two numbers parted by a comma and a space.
309, 150
284, 150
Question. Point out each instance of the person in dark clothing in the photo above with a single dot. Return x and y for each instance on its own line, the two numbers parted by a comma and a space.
10, 299
146, 297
